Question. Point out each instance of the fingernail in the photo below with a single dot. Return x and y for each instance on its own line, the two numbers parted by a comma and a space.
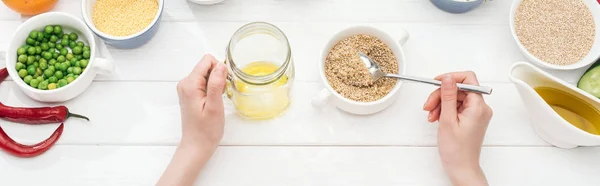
429, 116
447, 81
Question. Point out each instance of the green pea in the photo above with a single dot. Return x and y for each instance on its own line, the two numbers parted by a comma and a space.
57, 66
43, 64
53, 38
31, 70
57, 29
37, 43
40, 37
51, 45
52, 79
43, 85
48, 73
21, 50
86, 54
36, 64
63, 82
70, 56
51, 67
59, 74
64, 42
78, 64
78, 57
34, 83
38, 57
70, 79
55, 55
64, 66
48, 29
80, 44
59, 46
35, 76
61, 58
40, 78
19, 66
86, 48
33, 34
30, 60
47, 55
30, 41
73, 36
38, 50
31, 50
27, 79
45, 46
72, 44
52, 62
52, 86
23, 73
73, 61
70, 75
77, 50
75, 76
45, 41
64, 51
22, 58
70, 70
76, 70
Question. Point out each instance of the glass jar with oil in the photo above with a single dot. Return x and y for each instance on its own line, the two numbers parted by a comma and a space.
261, 71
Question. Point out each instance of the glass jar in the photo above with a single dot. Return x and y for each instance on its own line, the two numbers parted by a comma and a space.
261, 71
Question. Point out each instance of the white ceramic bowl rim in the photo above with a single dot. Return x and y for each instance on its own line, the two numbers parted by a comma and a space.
401, 64
91, 25
581, 63
91, 43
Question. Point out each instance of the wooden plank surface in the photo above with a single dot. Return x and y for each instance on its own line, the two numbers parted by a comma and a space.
135, 114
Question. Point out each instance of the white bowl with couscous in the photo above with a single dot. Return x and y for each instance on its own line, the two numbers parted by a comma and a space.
131, 25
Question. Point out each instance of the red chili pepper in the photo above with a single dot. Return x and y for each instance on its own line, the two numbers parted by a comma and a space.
3, 74
26, 151
42, 115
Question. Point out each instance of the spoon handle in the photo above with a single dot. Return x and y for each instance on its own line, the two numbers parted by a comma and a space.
463, 87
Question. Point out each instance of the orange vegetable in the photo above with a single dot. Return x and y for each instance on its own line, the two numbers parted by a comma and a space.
30, 7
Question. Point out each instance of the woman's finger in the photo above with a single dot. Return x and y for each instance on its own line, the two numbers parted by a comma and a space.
466, 77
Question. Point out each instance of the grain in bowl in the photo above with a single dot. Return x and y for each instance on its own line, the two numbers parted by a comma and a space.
348, 75
558, 32
124, 17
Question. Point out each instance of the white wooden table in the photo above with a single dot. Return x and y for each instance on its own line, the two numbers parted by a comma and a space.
135, 115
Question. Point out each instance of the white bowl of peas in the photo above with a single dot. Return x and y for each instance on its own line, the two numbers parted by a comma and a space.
52, 57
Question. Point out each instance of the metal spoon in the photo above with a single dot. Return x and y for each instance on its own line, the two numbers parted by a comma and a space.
377, 74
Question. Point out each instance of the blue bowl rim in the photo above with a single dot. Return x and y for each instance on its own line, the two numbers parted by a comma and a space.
90, 23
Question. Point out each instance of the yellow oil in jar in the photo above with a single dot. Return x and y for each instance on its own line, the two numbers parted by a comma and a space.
261, 101
574, 110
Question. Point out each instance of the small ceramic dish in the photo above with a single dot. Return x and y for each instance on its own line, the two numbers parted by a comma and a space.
591, 57
125, 42
69, 24
329, 95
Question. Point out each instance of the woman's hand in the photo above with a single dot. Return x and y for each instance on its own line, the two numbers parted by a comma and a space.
202, 117
201, 102
463, 120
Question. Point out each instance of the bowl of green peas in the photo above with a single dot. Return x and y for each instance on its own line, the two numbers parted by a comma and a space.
52, 57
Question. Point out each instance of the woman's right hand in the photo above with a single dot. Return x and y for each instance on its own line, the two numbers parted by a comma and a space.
463, 121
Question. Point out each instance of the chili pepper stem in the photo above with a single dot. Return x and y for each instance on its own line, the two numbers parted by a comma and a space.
78, 116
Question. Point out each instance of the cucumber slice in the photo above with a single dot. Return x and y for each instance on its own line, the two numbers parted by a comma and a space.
590, 81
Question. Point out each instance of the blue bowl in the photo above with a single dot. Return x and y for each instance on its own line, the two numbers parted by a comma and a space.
124, 42
457, 6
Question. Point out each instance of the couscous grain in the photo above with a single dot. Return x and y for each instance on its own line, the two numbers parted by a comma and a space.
123, 17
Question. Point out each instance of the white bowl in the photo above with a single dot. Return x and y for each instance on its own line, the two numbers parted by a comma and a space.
329, 95
590, 58
69, 23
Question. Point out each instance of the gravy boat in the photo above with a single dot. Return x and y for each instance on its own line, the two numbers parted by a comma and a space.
550, 126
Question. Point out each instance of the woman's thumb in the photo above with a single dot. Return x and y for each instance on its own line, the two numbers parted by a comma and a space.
449, 93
